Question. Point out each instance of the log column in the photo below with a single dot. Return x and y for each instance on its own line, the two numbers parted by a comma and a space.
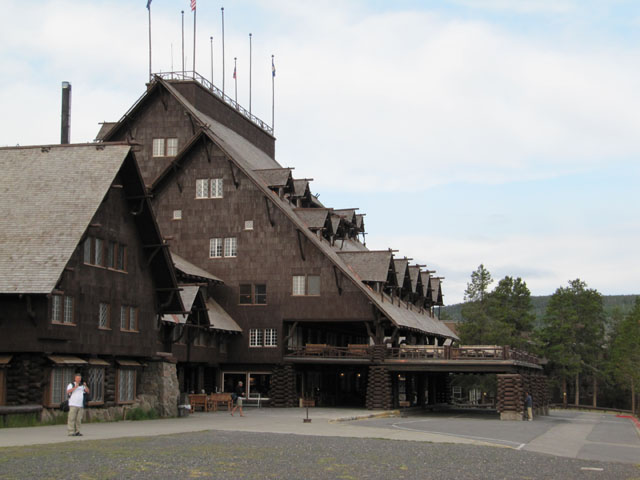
379, 392
510, 396
283, 386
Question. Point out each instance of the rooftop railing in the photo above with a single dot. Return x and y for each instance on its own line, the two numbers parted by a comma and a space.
218, 93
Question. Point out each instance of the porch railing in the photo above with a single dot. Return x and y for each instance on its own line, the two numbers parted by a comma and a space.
418, 352
218, 93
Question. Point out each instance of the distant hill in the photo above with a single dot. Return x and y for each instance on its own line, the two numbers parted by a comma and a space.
624, 302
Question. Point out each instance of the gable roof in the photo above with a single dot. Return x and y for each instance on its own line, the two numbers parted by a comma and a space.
314, 218
191, 270
39, 204
275, 177
415, 275
301, 187
349, 214
248, 158
401, 269
369, 266
104, 129
219, 319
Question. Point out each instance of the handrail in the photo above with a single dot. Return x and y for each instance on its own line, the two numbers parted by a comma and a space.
420, 352
218, 93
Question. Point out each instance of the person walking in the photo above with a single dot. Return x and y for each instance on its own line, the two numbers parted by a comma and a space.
75, 392
528, 402
239, 393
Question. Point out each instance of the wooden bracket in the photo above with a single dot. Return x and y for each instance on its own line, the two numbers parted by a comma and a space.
300, 245
266, 203
233, 174
291, 332
338, 279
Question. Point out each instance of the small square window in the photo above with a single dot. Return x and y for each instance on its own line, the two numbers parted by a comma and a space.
248, 224
177, 214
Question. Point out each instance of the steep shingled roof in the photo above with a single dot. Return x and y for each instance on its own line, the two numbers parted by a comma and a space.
192, 270
314, 218
275, 177
401, 269
45, 212
219, 319
249, 158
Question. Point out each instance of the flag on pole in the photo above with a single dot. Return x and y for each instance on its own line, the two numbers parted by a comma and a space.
234, 73
273, 68
148, 4
193, 5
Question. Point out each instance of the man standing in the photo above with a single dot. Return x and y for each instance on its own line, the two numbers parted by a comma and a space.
239, 393
75, 392
528, 402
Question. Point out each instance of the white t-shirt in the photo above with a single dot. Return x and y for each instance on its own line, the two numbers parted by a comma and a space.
77, 397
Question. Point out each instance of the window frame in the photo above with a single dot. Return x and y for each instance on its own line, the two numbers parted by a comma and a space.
94, 388
270, 337
300, 285
160, 151
216, 188
202, 188
230, 247
108, 315
170, 149
252, 297
66, 377
132, 374
256, 338
59, 309
218, 241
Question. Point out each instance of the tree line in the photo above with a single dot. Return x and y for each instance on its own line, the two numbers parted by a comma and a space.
590, 357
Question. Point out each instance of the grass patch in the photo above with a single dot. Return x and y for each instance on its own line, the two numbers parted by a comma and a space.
140, 414
20, 420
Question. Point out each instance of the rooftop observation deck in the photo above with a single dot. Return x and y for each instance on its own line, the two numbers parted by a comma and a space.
469, 358
195, 76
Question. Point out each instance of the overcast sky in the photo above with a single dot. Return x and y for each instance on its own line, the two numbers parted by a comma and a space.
501, 132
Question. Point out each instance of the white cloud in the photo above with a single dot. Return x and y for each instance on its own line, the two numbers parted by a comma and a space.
544, 261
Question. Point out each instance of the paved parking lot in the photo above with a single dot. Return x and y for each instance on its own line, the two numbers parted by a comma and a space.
574, 434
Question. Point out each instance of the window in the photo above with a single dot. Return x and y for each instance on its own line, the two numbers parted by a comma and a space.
126, 385
216, 188
122, 258
98, 253
111, 254
62, 309
255, 337
202, 188
56, 308
95, 382
60, 378
298, 285
68, 309
230, 247
215, 248
128, 318
267, 337
158, 147
104, 314
177, 214
165, 147
248, 224
246, 297
306, 285
270, 337
172, 147
253, 294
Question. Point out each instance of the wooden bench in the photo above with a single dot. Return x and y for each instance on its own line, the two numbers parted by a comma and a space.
216, 399
315, 348
198, 400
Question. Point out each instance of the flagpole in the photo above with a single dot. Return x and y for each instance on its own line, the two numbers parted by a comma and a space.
211, 38
222, 9
182, 12
273, 95
235, 77
250, 62
193, 3
149, 9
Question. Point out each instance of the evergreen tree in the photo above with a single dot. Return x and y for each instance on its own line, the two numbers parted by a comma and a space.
475, 317
624, 353
573, 332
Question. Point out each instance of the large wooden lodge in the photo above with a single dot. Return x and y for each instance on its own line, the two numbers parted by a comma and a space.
176, 254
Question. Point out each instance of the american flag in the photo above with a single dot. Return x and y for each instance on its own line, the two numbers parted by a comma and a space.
148, 4
234, 73
273, 68
193, 5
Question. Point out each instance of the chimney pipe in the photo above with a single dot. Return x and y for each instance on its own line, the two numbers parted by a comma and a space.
66, 113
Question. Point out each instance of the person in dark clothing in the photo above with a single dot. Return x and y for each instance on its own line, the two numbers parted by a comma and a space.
239, 393
528, 402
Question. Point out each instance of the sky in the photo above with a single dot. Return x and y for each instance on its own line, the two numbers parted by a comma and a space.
495, 132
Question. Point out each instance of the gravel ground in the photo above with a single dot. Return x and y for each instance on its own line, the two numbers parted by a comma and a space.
240, 455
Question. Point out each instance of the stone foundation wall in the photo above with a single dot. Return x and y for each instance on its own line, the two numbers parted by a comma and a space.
159, 388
